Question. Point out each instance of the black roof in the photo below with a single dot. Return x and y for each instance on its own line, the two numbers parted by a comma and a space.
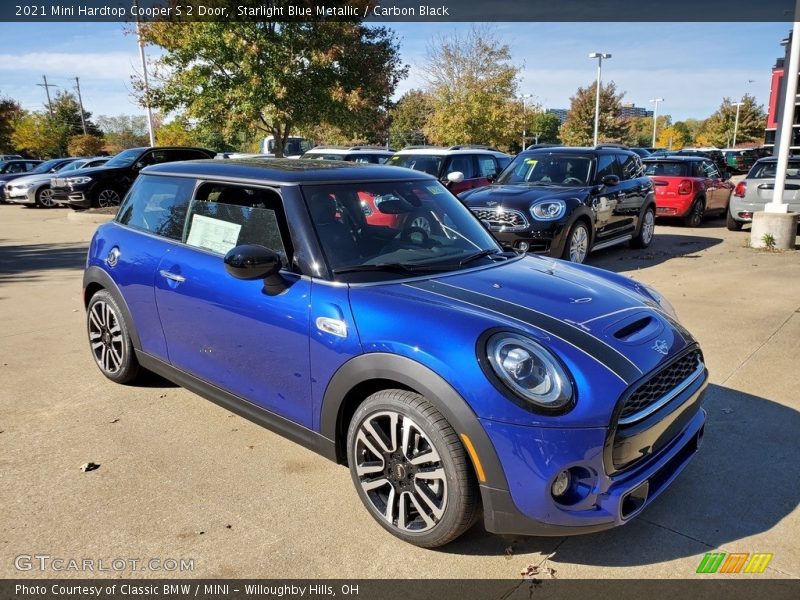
675, 158
579, 149
280, 170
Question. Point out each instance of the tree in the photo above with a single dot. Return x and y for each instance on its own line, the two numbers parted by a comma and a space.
85, 145
10, 111
542, 127
718, 129
176, 133
124, 131
640, 130
578, 130
274, 77
67, 110
408, 117
38, 135
673, 138
472, 82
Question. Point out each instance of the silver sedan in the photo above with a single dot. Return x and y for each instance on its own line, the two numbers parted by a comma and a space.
34, 190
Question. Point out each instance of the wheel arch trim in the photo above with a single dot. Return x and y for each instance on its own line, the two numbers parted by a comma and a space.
96, 275
417, 377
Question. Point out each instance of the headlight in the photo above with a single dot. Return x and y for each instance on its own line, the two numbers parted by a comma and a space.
77, 180
660, 300
21, 186
549, 210
529, 370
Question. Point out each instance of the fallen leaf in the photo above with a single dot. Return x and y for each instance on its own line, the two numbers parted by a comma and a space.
114, 420
89, 466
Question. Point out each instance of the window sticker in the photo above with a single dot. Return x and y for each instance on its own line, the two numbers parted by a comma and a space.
435, 189
213, 234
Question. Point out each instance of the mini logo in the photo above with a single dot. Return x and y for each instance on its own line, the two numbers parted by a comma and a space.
661, 347
491, 203
399, 471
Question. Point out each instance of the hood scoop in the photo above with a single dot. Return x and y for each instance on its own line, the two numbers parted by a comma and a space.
636, 329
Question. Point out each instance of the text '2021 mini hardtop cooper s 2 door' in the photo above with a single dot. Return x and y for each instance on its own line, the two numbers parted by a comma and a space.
455, 380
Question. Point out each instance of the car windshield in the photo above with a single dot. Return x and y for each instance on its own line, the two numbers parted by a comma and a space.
125, 158
427, 163
768, 170
666, 168
546, 168
46, 166
75, 164
391, 229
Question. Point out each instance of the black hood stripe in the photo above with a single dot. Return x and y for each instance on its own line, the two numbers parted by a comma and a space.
606, 355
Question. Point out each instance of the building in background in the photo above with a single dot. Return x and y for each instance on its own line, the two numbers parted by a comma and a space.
630, 110
777, 93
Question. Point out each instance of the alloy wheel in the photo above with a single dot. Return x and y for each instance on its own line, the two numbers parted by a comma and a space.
400, 471
648, 227
578, 244
46, 198
697, 214
105, 337
108, 198
422, 223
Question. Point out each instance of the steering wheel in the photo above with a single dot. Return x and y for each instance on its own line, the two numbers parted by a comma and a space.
572, 180
415, 235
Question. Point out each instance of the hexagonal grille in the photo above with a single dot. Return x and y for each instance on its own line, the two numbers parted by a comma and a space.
500, 218
661, 384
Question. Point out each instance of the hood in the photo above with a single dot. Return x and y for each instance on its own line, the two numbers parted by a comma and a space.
102, 169
34, 179
607, 318
517, 196
10, 176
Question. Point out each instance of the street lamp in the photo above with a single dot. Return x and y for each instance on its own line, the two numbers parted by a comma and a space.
655, 102
524, 97
738, 105
599, 56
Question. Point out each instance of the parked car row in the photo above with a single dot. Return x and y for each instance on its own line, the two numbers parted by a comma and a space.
34, 188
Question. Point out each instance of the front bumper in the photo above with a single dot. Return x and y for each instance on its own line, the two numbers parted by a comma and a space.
532, 458
20, 196
67, 197
542, 238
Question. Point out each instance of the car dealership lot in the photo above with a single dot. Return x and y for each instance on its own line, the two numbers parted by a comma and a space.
181, 478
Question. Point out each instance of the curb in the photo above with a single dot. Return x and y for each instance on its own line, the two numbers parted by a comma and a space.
82, 216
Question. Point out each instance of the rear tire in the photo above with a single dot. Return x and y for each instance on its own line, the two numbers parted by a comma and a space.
731, 223
109, 339
410, 469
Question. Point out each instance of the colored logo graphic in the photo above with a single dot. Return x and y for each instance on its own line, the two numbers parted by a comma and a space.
736, 562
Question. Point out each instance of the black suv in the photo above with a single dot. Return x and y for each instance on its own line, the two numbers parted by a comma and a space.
106, 185
567, 202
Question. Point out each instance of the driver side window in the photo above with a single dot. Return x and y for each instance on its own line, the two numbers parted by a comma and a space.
606, 165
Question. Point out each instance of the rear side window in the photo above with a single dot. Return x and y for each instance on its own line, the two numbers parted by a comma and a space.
224, 216
630, 165
464, 163
158, 205
486, 166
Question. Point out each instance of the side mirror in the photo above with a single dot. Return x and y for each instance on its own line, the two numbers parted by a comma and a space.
139, 165
610, 180
455, 177
491, 178
251, 261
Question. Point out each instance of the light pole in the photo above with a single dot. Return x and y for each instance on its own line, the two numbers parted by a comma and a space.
738, 105
599, 56
144, 75
524, 97
655, 102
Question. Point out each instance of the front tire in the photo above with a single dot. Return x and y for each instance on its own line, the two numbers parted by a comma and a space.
109, 339
107, 197
410, 469
44, 197
647, 230
577, 247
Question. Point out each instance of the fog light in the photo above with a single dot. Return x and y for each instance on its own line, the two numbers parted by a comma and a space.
524, 246
561, 484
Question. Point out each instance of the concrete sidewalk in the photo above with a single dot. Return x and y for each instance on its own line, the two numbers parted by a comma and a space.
181, 478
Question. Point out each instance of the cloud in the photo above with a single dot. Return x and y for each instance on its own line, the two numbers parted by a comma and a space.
97, 65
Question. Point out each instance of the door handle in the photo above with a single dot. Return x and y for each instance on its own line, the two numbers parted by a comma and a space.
172, 276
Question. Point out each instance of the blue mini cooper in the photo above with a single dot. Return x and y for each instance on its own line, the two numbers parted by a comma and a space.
365, 313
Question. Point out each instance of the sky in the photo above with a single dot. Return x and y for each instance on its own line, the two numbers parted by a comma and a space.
691, 65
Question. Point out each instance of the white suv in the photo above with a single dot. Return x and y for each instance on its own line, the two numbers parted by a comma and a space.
358, 154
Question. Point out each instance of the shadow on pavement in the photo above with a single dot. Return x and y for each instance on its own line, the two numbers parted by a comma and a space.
24, 262
666, 245
742, 482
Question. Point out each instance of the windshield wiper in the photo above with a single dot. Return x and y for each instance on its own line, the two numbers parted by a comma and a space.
477, 255
393, 267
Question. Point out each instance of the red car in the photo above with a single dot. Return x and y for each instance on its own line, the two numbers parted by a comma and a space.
688, 187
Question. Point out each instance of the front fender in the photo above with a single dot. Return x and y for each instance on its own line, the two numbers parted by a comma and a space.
380, 365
